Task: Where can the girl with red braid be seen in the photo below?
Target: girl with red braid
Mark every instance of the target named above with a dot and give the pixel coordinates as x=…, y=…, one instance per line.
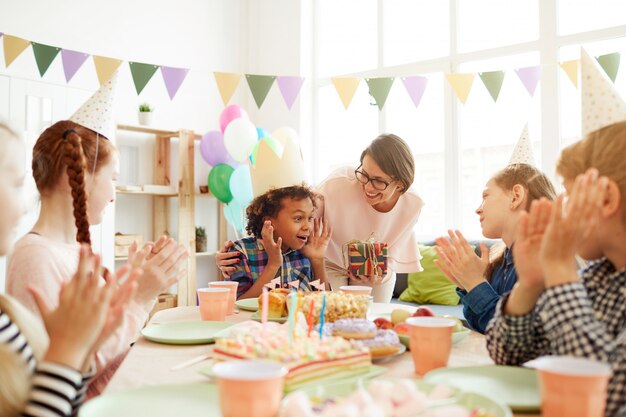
x=75, y=168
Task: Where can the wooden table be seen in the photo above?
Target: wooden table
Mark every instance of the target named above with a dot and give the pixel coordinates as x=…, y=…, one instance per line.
x=149, y=363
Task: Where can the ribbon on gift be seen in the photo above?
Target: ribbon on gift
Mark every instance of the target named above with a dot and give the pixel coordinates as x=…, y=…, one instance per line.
x=367, y=257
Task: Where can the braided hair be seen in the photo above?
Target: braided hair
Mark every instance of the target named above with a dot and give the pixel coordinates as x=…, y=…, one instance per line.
x=71, y=148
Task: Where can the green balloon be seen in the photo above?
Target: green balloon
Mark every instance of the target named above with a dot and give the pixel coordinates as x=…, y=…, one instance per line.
x=219, y=182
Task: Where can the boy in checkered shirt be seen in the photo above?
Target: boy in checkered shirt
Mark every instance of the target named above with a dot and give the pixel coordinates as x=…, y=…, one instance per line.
x=286, y=242
x=552, y=309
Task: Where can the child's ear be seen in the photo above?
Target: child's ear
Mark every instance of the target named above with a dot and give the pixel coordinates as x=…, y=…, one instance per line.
x=518, y=196
x=612, y=200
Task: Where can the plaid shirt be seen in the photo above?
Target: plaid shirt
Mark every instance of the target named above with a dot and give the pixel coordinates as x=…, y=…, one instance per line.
x=584, y=319
x=252, y=263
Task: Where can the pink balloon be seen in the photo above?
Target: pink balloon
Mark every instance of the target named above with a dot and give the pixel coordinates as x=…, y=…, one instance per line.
x=231, y=113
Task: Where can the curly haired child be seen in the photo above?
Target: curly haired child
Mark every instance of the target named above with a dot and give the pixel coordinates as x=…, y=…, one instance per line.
x=285, y=241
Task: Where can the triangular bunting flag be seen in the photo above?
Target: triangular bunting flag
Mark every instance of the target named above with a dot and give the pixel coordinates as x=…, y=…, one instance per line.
x=601, y=104
x=610, y=64
x=13, y=47
x=105, y=67
x=415, y=86
x=173, y=78
x=44, y=55
x=530, y=77
x=259, y=86
x=523, y=152
x=346, y=87
x=493, y=81
x=461, y=84
x=227, y=84
x=142, y=73
x=379, y=89
x=289, y=88
x=72, y=61
x=1, y=33
x=571, y=69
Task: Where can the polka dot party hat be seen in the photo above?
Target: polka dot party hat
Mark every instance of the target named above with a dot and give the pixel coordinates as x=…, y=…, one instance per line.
x=97, y=112
x=601, y=104
x=523, y=152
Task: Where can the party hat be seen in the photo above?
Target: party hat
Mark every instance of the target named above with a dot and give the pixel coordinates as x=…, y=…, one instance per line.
x=272, y=171
x=523, y=152
x=97, y=112
x=601, y=104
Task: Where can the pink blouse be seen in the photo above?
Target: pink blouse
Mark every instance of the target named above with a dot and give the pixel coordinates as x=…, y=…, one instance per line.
x=353, y=218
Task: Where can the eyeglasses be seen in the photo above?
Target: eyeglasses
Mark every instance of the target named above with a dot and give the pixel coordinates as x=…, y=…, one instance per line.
x=363, y=178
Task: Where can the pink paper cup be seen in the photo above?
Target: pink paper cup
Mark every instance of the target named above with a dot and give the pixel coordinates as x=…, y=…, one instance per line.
x=356, y=289
x=430, y=340
x=213, y=303
x=572, y=387
x=232, y=286
x=250, y=388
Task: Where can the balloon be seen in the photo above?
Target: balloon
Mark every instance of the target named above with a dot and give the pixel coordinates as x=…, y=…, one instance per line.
x=213, y=150
x=219, y=182
x=234, y=214
x=285, y=134
x=231, y=113
x=274, y=145
x=262, y=133
x=239, y=138
x=241, y=185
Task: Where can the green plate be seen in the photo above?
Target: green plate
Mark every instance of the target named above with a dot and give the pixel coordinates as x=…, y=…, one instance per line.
x=248, y=304
x=456, y=337
x=466, y=399
x=185, y=332
x=189, y=400
x=257, y=317
x=339, y=376
x=514, y=386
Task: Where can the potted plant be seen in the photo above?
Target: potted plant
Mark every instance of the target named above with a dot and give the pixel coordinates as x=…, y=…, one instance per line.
x=200, y=240
x=145, y=114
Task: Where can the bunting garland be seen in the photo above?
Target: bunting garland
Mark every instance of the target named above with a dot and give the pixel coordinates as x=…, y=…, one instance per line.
x=289, y=86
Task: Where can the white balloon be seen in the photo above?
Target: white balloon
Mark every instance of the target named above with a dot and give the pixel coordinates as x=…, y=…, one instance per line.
x=240, y=137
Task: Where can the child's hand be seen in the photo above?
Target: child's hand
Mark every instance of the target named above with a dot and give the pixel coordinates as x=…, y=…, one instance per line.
x=460, y=261
x=570, y=225
x=160, y=271
x=530, y=233
x=273, y=249
x=316, y=245
x=75, y=324
x=224, y=259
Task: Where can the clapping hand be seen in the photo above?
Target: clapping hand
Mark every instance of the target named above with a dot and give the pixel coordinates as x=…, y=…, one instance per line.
x=458, y=261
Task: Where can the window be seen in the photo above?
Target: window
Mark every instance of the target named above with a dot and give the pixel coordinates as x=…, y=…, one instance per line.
x=457, y=147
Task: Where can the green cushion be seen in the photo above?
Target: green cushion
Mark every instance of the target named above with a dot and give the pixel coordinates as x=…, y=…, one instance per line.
x=430, y=286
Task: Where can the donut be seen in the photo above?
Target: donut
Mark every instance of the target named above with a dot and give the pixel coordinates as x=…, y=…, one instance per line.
x=385, y=342
x=354, y=328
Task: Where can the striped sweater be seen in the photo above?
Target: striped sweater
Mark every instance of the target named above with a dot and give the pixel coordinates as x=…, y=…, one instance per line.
x=56, y=390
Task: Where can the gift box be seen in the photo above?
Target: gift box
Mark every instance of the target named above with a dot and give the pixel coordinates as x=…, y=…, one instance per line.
x=367, y=258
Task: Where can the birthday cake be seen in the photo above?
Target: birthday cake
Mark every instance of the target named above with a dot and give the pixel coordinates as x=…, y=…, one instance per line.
x=307, y=356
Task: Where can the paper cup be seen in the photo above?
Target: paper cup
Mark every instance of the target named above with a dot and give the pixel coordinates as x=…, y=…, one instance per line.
x=213, y=303
x=250, y=388
x=232, y=286
x=430, y=340
x=356, y=289
x=572, y=387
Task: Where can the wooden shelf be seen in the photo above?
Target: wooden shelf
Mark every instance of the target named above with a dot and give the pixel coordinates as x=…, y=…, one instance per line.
x=121, y=258
x=201, y=254
x=146, y=193
x=154, y=131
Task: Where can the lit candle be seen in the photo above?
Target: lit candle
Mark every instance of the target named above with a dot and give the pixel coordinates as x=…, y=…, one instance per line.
x=322, y=312
x=309, y=317
x=292, y=315
x=264, y=306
